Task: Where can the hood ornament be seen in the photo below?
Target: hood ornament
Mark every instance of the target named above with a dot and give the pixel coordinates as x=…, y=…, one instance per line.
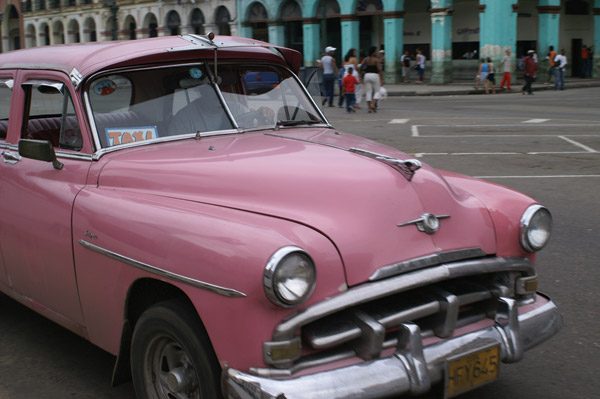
x=428, y=223
x=407, y=167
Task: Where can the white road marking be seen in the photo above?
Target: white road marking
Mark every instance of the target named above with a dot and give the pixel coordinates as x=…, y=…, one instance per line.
x=575, y=143
x=398, y=121
x=415, y=130
x=536, y=121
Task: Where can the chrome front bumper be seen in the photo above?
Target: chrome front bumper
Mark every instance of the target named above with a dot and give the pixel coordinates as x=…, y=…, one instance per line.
x=413, y=368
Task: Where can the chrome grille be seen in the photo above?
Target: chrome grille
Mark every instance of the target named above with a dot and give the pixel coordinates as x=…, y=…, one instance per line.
x=367, y=319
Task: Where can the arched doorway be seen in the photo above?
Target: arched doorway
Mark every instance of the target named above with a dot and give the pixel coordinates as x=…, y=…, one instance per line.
x=173, y=23
x=222, y=20
x=370, y=16
x=44, y=35
x=89, y=30
x=11, y=24
x=291, y=15
x=328, y=12
x=150, y=25
x=30, y=36
x=130, y=27
x=73, y=35
x=58, y=33
x=257, y=19
x=197, y=21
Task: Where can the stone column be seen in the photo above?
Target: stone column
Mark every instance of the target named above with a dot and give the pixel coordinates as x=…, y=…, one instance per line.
x=549, y=26
x=245, y=30
x=312, y=41
x=548, y=29
x=276, y=34
x=441, y=44
x=393, y=32
x=350, y=34
x=498, y=28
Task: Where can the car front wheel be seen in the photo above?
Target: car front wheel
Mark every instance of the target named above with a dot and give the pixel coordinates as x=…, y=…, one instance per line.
x=171, y=357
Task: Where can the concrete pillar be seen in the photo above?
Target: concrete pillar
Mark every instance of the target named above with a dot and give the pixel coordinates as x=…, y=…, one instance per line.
x=276, y=34
x=549, y=25
x=393, y=36
x=596, y=61
x=441, y=43
x=498, y=29
x=350, y=34
x=312, y=41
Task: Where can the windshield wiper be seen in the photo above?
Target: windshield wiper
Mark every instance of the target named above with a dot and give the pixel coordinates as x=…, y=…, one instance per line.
x=297, y=123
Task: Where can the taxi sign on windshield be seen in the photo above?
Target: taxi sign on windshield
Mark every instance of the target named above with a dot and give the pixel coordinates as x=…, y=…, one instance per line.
x=126, y=135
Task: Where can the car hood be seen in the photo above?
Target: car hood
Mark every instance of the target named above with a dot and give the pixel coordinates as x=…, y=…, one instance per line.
x=362, y=205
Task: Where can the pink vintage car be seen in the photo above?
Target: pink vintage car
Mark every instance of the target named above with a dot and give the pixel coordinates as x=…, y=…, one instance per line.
x=182, y=203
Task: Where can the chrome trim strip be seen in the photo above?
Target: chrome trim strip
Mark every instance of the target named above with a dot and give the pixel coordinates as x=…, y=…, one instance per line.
x=59, y=153
x=426, y=261
x=229, y=292
x=393, y=375
x=379, y=289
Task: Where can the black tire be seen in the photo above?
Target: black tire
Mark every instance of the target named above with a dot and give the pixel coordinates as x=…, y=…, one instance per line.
x=171, y=357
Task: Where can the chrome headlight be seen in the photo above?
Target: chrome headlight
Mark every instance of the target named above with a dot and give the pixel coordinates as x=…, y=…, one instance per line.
x=536, y=226
x=289, y=277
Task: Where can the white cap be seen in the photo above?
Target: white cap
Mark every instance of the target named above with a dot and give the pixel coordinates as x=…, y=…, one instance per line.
x=530, y=51
x=329, y=49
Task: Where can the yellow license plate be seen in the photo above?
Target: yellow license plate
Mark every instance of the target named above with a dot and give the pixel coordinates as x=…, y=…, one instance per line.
x=472, y=370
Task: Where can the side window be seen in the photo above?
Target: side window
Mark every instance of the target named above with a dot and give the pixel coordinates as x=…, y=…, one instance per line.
x=6, y=86
x=51, y=115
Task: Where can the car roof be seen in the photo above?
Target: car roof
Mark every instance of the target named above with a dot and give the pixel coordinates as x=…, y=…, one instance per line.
x=88, y=58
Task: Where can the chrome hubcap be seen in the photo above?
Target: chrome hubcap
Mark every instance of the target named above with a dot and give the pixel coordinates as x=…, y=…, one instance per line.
x=170, y=372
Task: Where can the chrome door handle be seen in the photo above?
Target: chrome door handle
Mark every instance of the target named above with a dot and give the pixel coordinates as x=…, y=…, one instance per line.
x=11, y=158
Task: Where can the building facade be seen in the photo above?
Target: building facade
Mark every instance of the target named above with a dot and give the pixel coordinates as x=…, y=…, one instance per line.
x=453, y=34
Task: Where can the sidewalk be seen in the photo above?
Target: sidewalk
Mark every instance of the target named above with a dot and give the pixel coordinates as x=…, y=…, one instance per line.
x=463, y=87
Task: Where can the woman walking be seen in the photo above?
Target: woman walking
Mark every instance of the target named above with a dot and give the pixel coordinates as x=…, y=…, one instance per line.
x=372, y=81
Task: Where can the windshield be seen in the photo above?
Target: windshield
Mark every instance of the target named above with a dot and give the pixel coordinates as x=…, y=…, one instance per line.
x=146, y=104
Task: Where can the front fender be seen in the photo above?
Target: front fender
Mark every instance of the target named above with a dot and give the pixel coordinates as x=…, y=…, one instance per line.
x=220, y=246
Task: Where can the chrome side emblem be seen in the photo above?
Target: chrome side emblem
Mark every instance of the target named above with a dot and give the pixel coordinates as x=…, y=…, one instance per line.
x=427, y=223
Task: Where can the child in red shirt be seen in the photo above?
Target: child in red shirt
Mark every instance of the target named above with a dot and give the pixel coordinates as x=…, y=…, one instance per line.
x=349, y=82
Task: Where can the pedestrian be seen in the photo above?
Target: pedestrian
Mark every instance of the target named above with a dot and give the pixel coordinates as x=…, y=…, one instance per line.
x=530, y=71
x=372, y=80
x=349, y=82
x=507, y=70
x=490, y=81
x=585, y=57
x=420, y=67
x=590, y=63
x=330, y=71
x=483, y=71
x=351, y=61
x=405, y=60
x=551, y=64
x=559, y=73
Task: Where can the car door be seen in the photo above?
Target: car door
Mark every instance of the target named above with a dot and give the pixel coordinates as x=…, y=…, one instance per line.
x=36, y=239
x=6, y=85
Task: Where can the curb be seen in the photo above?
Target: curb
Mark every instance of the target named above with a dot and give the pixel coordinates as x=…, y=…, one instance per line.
x=424, y=93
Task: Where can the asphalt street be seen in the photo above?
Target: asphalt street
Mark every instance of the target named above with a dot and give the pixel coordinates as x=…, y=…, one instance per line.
x=546, y=145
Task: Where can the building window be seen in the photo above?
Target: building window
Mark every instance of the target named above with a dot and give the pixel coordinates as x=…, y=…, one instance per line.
x=222, y=20
x=173, y=23
x=197, y=21
x=577, y=7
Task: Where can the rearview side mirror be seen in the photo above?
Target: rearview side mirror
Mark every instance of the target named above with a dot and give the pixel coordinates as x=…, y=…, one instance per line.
x=41, y=150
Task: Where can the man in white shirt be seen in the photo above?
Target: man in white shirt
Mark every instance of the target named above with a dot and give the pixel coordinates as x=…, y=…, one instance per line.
x=560, y=63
